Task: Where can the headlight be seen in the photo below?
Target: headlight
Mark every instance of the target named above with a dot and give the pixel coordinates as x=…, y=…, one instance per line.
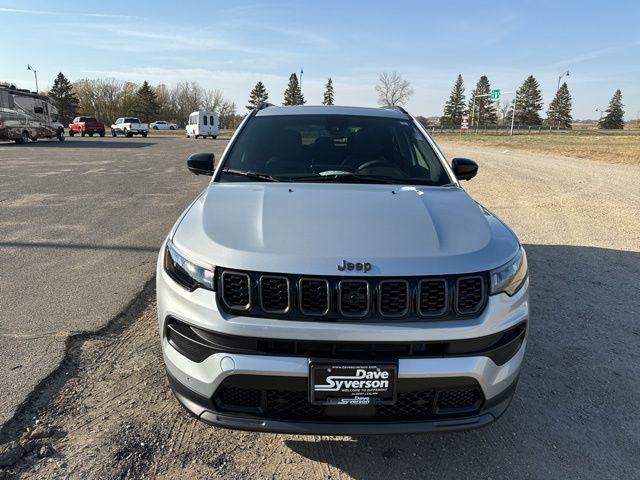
x=511, y=276
x=185, y=272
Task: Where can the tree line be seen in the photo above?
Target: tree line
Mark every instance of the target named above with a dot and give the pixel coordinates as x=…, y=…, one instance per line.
x=108, y=99
x=528, y=105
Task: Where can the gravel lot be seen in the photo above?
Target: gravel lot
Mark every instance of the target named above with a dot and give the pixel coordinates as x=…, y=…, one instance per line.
x=108, y=413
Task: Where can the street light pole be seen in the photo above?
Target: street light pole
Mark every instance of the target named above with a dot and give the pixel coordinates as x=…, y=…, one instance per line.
x=29, y=67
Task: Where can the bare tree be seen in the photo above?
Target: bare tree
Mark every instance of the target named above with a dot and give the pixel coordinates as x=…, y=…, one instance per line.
x=503, y=110
x=392, y=89
x=212, y=100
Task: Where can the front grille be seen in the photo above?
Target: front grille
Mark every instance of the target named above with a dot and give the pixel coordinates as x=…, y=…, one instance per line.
x=291, y=402
x=469, y=294
x=353, y=298
x=274, y=294
x=314, y=296
x=334, y=298
x=393, y=298
x=236, y=290
x=432, y=300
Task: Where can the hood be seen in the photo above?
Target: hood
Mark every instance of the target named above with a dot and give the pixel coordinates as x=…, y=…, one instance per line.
x=311, y=228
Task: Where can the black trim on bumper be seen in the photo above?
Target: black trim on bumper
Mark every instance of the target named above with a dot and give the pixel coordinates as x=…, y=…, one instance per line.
x=197, y=344
x=201, y=408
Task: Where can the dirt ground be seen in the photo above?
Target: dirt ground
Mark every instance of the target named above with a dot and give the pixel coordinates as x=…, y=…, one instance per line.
x=107, y=412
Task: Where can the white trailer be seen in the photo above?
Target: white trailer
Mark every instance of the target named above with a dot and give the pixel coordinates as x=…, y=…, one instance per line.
x=203, y=124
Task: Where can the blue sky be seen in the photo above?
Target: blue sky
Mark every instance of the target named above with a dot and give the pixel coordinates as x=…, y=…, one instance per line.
x=231, y=45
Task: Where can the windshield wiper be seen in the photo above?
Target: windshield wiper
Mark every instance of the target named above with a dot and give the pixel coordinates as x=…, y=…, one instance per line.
x=253, y=175
x=344, y=178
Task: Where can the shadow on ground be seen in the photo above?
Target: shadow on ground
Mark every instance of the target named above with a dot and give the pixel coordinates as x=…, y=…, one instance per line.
x=574, y=414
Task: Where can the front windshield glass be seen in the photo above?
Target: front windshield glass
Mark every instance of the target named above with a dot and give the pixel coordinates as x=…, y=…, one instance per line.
x=333, y=148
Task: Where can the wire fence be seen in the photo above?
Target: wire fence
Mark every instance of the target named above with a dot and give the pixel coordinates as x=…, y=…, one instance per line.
x=519, y=130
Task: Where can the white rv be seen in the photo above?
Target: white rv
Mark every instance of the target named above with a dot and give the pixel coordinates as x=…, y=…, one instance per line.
x=203, y=124
x=26, y=116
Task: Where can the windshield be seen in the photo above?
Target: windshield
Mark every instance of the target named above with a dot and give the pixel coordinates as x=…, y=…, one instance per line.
x=333, y=148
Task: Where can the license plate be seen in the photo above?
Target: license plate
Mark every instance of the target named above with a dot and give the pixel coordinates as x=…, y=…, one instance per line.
x=352, y=384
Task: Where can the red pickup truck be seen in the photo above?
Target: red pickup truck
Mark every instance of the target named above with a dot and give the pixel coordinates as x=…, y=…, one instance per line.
x=86, y=126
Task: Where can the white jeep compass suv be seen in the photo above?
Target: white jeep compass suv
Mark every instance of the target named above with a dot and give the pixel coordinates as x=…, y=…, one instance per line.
x=334, y=278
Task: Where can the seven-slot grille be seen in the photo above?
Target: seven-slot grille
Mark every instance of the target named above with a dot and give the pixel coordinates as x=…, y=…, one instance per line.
x=351, y=298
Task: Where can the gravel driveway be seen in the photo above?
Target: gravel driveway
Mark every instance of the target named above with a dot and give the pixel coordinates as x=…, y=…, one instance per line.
x=574, y=414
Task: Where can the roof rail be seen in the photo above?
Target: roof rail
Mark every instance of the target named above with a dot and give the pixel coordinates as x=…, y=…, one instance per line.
x=397, y=108
x=262, y=106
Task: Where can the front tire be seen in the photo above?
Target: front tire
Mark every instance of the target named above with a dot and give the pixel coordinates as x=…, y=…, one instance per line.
x=71, y=133
x=24, y=138
x=102, y=134
x=155, y=127
x=83, y=133
x=60, y=135
x=114, y=133
x=172, y=127
x=144, y=134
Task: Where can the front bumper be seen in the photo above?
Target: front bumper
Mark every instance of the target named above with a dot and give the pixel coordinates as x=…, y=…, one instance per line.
x=195, y=384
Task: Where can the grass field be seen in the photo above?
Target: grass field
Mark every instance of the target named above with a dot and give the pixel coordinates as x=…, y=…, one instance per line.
x=608, y=147
x=181, y=133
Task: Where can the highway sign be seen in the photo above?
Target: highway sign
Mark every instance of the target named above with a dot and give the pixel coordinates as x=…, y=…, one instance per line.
x=495, y=94
x=464, y=124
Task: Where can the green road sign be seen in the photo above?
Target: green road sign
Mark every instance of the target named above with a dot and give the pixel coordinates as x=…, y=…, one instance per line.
x=495, y=94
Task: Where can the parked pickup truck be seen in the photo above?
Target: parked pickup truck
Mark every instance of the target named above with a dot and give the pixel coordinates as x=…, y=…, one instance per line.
x=129, y=126
x=86, y=126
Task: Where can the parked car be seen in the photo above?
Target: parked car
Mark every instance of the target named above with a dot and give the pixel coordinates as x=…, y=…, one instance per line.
x=162, y=125
x=335, y=278
x=129, y=126
x=203, y=124
x=86, y=126
x=26, y=116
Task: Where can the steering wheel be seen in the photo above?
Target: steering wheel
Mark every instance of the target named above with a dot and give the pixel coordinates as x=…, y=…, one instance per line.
x=376, y=163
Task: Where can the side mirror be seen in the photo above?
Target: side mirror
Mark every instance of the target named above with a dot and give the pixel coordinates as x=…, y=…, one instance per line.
x=201, y=163
x=464, y=168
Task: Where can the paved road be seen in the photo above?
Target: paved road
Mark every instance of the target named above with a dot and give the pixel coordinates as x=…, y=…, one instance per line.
x=80, y=225
x=574, y=414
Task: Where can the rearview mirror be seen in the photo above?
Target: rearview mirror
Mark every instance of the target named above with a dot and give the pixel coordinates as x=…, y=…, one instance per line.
x=201, y=163
x=464, y=168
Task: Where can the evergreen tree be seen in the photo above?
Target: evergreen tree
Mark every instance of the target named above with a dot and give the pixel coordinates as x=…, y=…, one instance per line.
x=454, y=108
x=293, y=94
x=484, y=112
x=328, y=93
x=64, y=98
x=258, y=96
x=529, y=103
x=614, y=114
x=559, y=113
x=146, y=103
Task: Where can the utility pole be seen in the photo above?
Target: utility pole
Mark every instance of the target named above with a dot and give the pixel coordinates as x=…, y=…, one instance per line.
x=557, y=90
x=29, y=67
x=513, y=115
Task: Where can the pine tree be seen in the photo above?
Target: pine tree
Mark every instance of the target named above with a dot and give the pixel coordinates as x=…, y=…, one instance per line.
x=328, y=93
x=559, y=113
x=614, y=118
x=454, y=108
x=146, y=103
x=529, y=103
x=293, y=94
x=64, y=98
x=258, y=96
x=484, y=111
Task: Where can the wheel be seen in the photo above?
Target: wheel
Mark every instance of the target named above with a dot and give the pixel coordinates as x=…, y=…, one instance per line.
x=71, y=133
x=144, y=134
x=172, y=127
x=60, y=135
x=102, y=134
x=113, y=133
x=82, y=134
x=155, y=127
x=91, y=134
x=214, y=136
x=127, y=133
x=24, y=138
